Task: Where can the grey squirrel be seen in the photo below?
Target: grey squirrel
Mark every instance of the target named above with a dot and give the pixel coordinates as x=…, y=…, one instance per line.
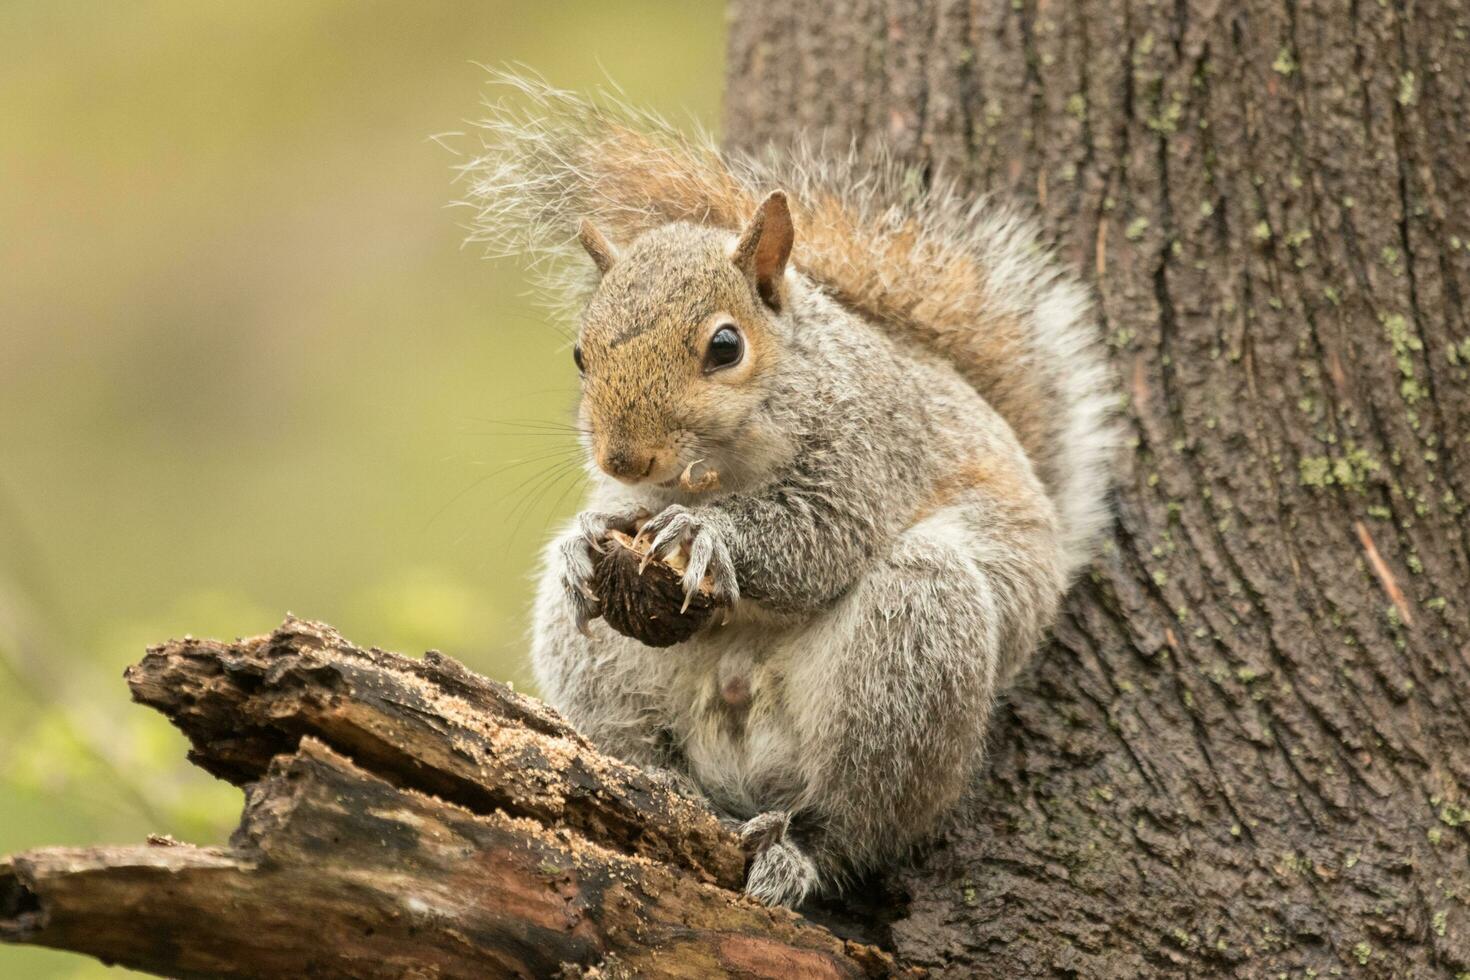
x=903, y=395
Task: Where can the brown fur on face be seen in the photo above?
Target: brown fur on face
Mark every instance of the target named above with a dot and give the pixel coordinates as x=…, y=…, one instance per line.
x=651, y=407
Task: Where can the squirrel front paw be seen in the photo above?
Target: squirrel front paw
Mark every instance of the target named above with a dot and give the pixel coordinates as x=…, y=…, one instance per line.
x=577, y=553
x=704, y=533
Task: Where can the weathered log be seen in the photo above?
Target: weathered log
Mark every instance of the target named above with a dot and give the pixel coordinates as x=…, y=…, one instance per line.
x=408, y=818
x=428, y=725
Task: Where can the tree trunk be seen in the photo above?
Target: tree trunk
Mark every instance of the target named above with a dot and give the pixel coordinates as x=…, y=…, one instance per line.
x=1248, y=751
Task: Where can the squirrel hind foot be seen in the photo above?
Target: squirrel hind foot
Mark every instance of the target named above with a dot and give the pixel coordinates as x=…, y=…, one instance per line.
x=780, y=872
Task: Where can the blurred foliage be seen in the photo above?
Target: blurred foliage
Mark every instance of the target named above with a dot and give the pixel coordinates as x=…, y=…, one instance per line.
x=246, y=366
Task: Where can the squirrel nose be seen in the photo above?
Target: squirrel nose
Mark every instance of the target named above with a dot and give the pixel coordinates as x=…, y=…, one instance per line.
x=627, y=465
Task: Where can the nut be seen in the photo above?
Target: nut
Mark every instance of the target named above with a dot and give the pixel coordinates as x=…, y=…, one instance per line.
x=649, y=606
x=708, y=479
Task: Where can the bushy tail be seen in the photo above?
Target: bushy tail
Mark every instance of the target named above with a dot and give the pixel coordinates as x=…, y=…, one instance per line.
x=964, y=277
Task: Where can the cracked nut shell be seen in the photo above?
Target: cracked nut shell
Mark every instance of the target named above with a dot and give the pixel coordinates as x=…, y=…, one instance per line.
x=646, y=607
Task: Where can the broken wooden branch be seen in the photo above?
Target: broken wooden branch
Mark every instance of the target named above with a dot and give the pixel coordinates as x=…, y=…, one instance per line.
x=408, y=818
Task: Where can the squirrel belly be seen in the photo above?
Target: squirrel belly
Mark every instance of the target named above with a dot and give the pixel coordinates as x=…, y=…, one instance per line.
x=905, y=402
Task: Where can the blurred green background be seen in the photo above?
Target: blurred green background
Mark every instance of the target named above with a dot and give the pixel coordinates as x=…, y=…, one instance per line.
x=247, y=367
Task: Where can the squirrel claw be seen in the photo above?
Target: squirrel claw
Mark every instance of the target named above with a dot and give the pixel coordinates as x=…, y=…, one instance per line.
x=576, y=552
x=592, y=526
x=703, y=532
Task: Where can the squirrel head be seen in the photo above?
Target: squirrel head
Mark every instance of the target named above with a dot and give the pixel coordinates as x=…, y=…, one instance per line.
x=679, y=346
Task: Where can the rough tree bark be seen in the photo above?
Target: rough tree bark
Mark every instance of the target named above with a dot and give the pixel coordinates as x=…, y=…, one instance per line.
x=1248, y=751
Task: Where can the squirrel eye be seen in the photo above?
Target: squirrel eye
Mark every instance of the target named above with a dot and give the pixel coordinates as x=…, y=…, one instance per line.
x=726, y=348
x=577, y=356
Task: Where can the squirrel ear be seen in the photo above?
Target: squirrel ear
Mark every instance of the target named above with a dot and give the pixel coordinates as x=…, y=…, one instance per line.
x=764, y=247
x=602, y=253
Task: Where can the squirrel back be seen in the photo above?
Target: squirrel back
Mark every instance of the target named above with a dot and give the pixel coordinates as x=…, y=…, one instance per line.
x=965, y=278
